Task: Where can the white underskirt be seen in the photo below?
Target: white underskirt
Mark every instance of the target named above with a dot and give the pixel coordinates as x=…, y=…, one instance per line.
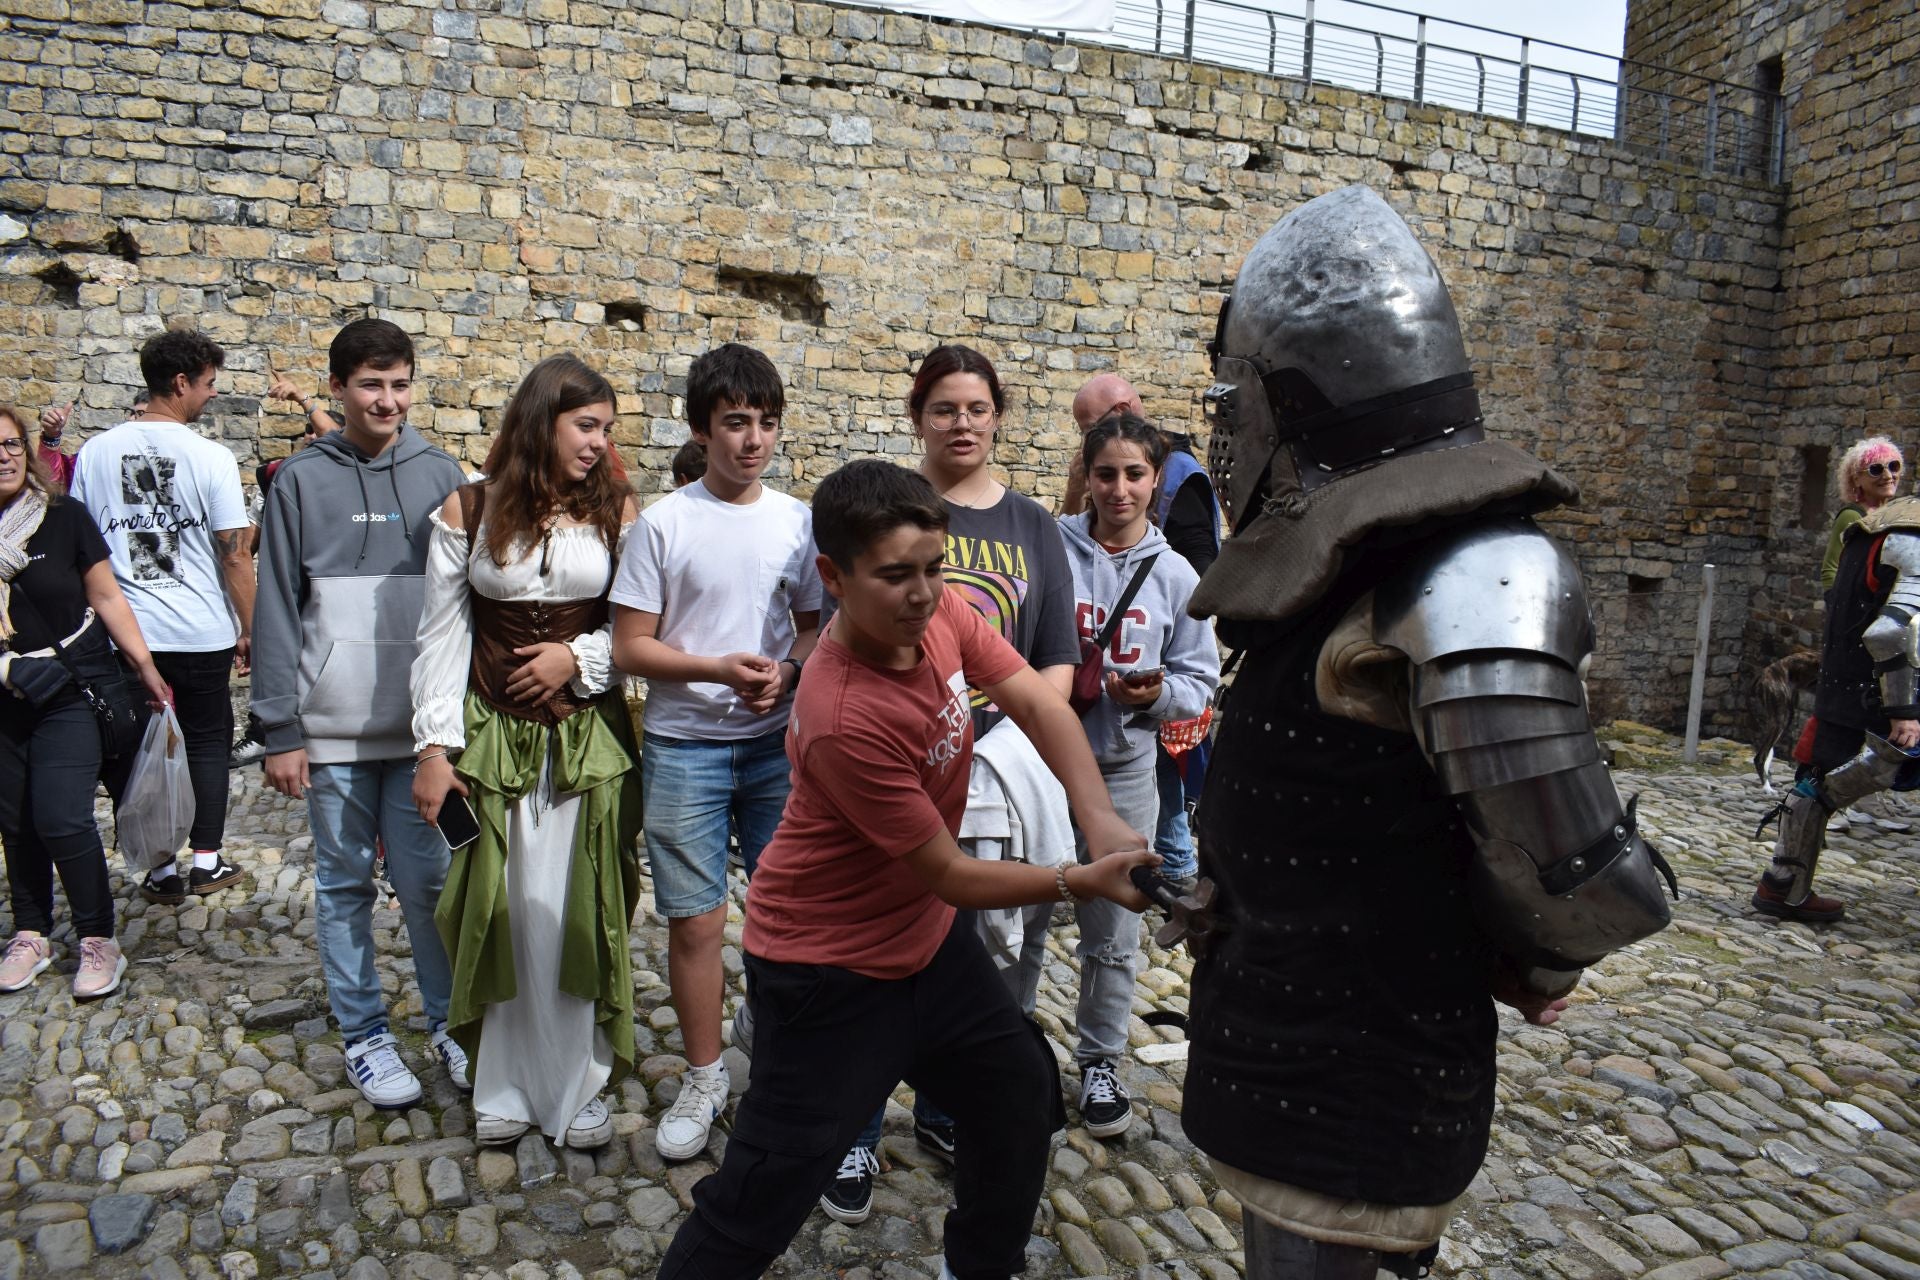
x=542, y=1054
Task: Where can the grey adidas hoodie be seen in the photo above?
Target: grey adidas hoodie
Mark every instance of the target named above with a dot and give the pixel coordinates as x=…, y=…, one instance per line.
x=1156, y=632
x=343, y=554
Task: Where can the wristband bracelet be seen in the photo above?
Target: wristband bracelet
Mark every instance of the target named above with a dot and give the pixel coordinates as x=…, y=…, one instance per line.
x=431, y=755
x=1060, y=882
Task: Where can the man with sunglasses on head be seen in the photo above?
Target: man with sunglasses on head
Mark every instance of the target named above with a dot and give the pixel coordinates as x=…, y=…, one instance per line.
x=1866, y=709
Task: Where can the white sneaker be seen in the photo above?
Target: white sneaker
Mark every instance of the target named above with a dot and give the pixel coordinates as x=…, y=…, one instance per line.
x=375, y=1068
x=592, y=1128
x=497, y=1131
x=682, y=1133
x=453, y=1058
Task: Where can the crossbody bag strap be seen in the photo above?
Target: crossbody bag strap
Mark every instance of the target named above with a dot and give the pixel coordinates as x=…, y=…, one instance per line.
x=59, y=649
x=1120, y=605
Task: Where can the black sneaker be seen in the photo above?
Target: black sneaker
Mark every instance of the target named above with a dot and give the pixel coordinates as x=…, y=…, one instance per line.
x=935, y=1137
x=1105, y=1107
x=218, y=876
x=168, y=891
x=850, y=1198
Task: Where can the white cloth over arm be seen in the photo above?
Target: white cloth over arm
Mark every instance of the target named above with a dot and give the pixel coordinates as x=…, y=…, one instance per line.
x=441, y=668
x=1017, y=811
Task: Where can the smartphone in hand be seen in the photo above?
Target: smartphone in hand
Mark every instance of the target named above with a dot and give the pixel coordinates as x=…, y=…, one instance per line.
x=458, y=827
x=1142, y=678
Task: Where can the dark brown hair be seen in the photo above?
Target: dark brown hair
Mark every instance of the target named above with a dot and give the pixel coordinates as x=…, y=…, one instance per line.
x=173, y=352
x=732, y=374
x=944, y=361
x=1128, y=427
x=866, y=500
x=381, y=344
x=39, y=479
x=522, y=492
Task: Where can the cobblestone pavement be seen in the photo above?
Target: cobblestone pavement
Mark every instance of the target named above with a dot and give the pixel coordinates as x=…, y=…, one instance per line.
x=1733, y=1097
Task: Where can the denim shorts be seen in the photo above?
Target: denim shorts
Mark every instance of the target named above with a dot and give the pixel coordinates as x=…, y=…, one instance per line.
x=698, y=794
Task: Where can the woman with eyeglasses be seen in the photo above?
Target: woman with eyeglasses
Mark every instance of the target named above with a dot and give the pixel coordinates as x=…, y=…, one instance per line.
x=56, y=589
x=1005, y=557
x=1869, y=476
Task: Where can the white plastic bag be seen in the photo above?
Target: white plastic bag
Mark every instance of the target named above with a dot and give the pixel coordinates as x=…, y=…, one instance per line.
x=156, y=812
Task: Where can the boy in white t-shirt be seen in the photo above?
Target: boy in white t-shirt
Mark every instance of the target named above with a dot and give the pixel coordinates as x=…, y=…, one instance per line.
x=169, y=503
x=716, y=603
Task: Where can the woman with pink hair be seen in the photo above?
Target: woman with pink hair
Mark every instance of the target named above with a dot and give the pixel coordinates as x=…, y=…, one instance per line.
x=1869, y=475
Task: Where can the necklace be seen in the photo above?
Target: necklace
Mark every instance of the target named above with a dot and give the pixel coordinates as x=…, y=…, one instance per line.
x=979, y=501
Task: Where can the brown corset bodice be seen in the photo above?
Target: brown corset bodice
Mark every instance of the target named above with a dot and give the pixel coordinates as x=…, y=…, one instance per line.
x=501, y=626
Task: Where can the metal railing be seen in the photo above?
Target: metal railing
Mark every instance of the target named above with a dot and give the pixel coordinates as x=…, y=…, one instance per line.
x=1711, y=124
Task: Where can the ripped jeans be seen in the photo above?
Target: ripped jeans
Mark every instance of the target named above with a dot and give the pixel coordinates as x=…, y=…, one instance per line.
x=1109, y=949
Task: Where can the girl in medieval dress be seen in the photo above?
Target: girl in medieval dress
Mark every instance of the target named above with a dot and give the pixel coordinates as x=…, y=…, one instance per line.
x=517, y=708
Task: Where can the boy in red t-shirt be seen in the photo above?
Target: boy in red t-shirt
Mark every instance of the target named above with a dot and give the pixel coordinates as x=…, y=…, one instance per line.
x=859, y=978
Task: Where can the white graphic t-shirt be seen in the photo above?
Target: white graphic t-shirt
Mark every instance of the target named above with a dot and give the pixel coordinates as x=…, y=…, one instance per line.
x=159, y=492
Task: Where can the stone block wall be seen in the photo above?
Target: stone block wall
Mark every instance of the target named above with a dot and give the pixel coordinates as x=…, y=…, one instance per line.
x=638, y=180
x=1847, y=352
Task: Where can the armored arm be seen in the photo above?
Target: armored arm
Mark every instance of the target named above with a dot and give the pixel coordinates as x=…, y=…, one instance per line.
x=1494, y=622
x=1893, y=637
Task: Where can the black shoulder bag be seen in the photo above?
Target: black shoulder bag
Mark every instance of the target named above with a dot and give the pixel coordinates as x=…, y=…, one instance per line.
x=105, y=690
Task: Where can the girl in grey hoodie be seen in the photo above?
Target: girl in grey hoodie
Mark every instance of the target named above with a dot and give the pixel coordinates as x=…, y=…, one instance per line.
x=1160, y=664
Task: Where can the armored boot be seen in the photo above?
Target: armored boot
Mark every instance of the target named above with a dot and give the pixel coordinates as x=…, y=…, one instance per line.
x=1786, y=890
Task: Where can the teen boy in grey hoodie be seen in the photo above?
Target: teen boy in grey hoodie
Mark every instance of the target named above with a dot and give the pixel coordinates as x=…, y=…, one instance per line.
x=343, y=552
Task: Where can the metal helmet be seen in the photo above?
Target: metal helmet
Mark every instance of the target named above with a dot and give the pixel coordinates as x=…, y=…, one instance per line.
x=1339, y=347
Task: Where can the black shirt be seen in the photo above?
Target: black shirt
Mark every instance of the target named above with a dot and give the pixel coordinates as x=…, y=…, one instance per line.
x=59, y=553
x=1193, y=528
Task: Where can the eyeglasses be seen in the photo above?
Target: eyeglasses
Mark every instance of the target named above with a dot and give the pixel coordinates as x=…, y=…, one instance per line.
x=13, y=445
x=951, y=417
x=1878, y=469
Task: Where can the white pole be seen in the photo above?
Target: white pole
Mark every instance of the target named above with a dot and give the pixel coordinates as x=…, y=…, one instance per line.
x=1699, y=692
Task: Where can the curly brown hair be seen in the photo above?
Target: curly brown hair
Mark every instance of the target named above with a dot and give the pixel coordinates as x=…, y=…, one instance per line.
x=523, y=494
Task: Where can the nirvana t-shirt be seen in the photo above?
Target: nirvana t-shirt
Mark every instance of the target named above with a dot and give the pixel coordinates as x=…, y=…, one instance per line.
x=159, y=492
x=880, y=762
x=1008, y=562
x=59, y=554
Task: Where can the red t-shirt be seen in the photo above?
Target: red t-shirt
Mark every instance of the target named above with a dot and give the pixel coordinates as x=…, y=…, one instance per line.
x=880, y=761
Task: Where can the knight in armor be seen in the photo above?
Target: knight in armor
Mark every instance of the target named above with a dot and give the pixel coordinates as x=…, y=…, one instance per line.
x=1408, y=816
x=1866, y=707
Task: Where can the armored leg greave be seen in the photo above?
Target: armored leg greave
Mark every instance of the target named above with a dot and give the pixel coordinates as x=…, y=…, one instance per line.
x=1803, y=820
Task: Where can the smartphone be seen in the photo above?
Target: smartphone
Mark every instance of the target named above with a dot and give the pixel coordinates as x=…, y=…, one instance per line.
x=1141, y=679
x=458, y=827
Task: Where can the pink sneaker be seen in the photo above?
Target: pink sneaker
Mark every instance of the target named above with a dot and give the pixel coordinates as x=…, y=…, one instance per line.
x=26, y=956
x=101, y=965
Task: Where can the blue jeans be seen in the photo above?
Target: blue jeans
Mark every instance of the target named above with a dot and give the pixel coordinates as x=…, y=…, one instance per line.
x=348, y=806
x=1172, y=837
x=697, y=793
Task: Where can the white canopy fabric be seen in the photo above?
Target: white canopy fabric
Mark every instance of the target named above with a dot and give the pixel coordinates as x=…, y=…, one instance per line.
x=1038, y=15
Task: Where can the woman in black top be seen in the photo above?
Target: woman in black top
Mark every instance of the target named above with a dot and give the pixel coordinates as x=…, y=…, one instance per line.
x=56, y=585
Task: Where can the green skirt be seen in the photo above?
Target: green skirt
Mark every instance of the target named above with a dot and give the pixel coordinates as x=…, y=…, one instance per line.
x=594, y=755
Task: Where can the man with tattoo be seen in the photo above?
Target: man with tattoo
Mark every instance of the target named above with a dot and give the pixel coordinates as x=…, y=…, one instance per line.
x=175, y=519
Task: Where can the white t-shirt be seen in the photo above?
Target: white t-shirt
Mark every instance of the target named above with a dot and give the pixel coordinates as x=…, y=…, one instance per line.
x=724, y=578
x=159, y=491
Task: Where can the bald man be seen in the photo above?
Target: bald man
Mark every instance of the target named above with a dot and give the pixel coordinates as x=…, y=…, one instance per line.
x=1104, y=393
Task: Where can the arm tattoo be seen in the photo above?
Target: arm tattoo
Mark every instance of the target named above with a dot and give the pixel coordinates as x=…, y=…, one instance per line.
x=233, y=543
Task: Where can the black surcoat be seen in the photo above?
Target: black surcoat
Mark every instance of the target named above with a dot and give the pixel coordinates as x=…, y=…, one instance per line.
x=1342, y=1032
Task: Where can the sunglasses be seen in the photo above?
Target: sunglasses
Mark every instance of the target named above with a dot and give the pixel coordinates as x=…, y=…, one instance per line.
x=1878, y=469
